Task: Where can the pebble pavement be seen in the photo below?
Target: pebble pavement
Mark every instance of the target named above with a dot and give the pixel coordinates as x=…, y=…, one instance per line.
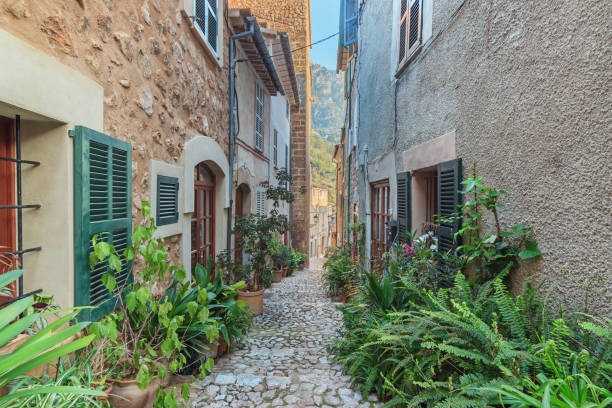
x=283, y=362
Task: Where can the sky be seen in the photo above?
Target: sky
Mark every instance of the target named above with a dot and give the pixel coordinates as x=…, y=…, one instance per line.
x=324, y=22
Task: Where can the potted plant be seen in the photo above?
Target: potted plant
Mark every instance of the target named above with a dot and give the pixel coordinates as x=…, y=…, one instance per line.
x=149, y=334
x=256, y=231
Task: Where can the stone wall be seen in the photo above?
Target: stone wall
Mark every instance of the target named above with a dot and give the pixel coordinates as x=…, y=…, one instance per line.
x=161, y=84
x=293, y=17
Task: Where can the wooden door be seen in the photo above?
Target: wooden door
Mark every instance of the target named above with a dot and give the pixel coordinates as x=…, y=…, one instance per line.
x=203, y=219
x=381, y=214
x=7, y=197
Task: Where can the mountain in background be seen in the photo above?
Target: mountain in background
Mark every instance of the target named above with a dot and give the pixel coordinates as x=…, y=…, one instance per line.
x=327, y=112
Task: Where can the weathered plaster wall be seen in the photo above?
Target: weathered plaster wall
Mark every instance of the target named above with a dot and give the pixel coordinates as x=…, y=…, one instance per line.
x=161, y=85
x=525, y=86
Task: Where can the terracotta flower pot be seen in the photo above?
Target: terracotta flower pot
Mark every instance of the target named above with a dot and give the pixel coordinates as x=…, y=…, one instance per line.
x=223, y=346
x=285, y=272
x=253, y=299
x=278, y=275
x=127, y=394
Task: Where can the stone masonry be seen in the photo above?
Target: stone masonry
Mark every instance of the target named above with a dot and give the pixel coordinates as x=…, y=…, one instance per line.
x=161, y=86
x=293, y=17
x=283, y=362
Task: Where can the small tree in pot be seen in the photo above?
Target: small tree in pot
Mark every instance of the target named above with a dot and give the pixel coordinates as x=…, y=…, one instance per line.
x=256, y=232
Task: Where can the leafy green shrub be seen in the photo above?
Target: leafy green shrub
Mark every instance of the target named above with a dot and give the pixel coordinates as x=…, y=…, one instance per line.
x=44, y=346
x=450, y=347
x=340, y=273
x=150, y=334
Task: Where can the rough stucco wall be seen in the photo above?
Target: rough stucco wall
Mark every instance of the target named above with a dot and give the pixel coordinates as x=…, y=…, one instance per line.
x=160, y=86
x=293, y=17
x=526, y=87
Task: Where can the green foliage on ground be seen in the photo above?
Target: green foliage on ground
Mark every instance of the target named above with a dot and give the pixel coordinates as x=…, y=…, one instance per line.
x=425, y=337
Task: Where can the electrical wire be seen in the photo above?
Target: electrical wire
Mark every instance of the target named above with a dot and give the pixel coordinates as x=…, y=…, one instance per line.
x=290, y=51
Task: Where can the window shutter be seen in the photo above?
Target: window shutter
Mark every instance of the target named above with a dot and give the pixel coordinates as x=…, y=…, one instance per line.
x=211, y=24
x=206, y=21
x=275, y=147
x=409, y=28
x=102, y=204
x=351, y=21
x=260, y=201
x=450, y=175
x=167, y=200
x=404, y=205
x=259, y=117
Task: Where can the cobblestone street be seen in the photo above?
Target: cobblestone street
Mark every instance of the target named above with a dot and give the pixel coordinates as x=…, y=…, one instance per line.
x=284, y=361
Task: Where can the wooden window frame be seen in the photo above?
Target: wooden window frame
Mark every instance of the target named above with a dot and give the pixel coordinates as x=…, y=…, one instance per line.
x=260, y=101
x=380, y=192
x=203, y=31
x=8, y=219
x=405, y=18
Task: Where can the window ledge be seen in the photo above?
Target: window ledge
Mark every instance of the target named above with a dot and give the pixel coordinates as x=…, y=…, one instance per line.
x=402, y=68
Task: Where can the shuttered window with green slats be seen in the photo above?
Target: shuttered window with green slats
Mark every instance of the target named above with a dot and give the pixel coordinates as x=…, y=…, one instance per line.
x=449, y=198
x=404, y=206
x=103, y=207
x=167, y=200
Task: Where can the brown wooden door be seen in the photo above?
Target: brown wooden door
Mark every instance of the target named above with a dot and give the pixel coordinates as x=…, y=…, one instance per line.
x=7, y=197
x=381, y=214
x=203, y=219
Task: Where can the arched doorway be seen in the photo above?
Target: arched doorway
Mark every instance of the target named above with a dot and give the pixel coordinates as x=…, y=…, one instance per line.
x=242, y=208
x=203, y=217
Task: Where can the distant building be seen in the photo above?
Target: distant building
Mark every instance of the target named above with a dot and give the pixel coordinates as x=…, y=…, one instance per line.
x=319, y=222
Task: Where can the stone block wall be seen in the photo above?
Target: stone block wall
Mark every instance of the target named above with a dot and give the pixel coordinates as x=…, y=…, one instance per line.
x=161, y=84
x=293, y=17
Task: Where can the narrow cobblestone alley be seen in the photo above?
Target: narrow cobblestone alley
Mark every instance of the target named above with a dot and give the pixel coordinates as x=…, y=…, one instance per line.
x=284, y=361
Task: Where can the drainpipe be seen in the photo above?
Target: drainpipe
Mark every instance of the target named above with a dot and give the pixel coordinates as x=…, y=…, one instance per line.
x=232, y=66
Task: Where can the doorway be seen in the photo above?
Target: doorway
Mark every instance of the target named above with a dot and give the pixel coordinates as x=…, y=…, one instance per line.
x=203, y=218
x=7, y=198
x=381, y=214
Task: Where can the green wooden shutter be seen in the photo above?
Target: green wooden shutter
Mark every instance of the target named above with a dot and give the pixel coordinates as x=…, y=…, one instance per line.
x=102, y=204
x=449, y=198
x=167, y=200
x=404, y=206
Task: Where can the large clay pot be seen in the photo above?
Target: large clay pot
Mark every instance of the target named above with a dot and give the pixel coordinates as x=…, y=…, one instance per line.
x=278, y=275
x=253, y=299
x=127, y=394
x=285, y=269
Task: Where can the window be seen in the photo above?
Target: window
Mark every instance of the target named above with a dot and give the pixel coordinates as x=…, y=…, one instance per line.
x=349, y=21
x=259, y=117
x=167, y=200
x=409, y=28
x=206, y=21
x=260, y=204
x=275, y=148
x=286, y=158
x=103, y=207
x=287, y=110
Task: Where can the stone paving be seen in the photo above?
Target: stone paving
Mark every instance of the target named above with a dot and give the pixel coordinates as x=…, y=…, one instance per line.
x=284, y=362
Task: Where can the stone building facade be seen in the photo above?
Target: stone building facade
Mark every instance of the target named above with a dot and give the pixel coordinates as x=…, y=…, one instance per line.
x=293, y=17
x=516, y=89
x=120, y=103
